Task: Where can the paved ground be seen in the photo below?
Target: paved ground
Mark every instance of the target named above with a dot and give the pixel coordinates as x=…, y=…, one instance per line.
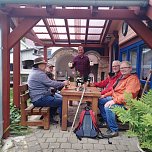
x=55, y=140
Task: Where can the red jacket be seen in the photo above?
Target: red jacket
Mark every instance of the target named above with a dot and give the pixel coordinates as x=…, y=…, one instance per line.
x=107, y=84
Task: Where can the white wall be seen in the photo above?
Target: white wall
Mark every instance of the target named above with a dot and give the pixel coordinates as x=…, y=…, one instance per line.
x=27, y=55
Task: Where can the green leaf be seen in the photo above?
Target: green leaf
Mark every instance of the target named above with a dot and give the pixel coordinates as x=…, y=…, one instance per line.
x=15, y=118
x=139, y=116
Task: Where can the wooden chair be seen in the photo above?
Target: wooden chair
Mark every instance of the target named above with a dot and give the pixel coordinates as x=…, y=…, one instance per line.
x=30, y=110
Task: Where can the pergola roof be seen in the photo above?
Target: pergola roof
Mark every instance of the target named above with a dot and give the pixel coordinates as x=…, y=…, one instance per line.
x=63, y=31
x=69, y=26
x=69, y=31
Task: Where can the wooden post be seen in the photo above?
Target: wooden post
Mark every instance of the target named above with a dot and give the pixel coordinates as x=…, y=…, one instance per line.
x=45, y=53
x=4, y=21
x=16, y=75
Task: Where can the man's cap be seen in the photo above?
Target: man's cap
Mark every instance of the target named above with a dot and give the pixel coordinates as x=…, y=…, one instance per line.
x=39, y=60
x=50, y=65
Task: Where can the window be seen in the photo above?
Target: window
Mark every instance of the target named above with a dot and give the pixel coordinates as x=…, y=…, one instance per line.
x=124, y=56
x=11, y=67
x=140, y=55
x=24, y=78
x=27, y=64
x=11, y=78
x=146, y=62
x=49, y=53
x=115, y=51
x=133, y=59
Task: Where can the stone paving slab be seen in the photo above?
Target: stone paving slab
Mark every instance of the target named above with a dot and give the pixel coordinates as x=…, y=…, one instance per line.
x=56, y=140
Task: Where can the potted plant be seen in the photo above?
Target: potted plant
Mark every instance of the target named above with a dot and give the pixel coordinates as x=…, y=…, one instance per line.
x=139, y=117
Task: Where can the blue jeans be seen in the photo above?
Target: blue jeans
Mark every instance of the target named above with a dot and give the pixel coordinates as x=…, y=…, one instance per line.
x=101, y=103
x=50, y=101
x=111, y=118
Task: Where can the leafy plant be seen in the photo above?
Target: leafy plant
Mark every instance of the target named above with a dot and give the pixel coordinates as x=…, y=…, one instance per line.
x=15, y=118
x=139, y=116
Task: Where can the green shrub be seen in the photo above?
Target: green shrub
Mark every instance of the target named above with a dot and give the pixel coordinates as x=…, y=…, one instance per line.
x=139, y=116
x=15, y=118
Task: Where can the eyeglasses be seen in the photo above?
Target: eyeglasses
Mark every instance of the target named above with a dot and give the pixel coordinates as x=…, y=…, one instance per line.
x=114, y=66
x=124, y=68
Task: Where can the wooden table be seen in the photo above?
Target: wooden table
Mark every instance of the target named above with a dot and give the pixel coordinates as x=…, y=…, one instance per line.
x=91, y=94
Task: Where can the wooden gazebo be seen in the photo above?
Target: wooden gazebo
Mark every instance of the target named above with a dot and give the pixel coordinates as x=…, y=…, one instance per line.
x=24, y=16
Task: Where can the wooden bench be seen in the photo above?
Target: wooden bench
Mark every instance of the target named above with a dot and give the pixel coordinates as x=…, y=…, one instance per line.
x=30, y=110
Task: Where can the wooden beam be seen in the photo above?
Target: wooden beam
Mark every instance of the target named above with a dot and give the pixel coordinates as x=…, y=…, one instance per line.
x=67, y=30
x=31, y=35
x=118, y=14
x=86, y=34
x=105, y=31
x=72, y=41
x=12, y=23
x=140, y=28
x=45, y=53
x=66, y=33
x=21, y=30
x=74, y=45
x=49, y=30
x=33, y=38
x=149, y=12
x=77, y=26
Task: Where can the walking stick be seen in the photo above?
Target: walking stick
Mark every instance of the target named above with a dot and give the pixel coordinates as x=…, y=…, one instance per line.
x=145, y=86
x=77, y=111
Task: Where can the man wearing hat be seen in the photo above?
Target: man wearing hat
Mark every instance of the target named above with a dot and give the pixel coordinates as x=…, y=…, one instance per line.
x=49, y=71
x=39, y=87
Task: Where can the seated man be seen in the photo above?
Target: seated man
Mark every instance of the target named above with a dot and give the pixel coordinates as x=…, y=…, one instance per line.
x=128, y=83
x=39, y=87
x=107, y=84
x=49, y=71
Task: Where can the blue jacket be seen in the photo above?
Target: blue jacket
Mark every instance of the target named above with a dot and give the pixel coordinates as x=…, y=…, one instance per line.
x=39, y=84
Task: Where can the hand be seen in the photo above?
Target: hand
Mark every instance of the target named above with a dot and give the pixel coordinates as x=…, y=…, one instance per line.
x=84, y=85
x=66, y=82
x=109, y=103
x=102, y=96
x=53, y=90
x=47, y=69
x=92, y=85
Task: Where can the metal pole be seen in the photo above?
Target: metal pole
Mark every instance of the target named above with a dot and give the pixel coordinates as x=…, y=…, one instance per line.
x=81, y=3
x=77, y=111
x=145, y=86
